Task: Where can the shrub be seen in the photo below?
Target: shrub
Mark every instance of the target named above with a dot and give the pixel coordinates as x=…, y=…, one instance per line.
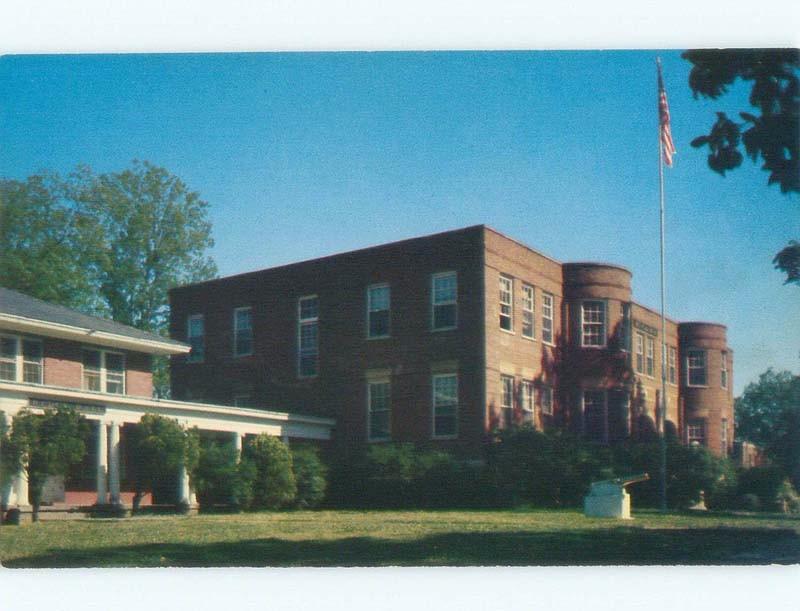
x=219, y=479
x=310, y=475
x=771, y=486
x=749, y=502
x=274, y=485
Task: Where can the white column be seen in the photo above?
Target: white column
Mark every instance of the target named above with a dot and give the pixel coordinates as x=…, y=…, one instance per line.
x=7, y=491
x=113, y=463
x=184, y=495
x=237, y=445
x=21, y=488
x=285, y=438
x=102, y=463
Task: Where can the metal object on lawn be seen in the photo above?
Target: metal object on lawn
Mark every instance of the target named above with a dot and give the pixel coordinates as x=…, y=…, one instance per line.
x=609, y=499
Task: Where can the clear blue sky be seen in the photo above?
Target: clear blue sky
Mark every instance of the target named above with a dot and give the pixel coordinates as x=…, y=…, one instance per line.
x=301, y=155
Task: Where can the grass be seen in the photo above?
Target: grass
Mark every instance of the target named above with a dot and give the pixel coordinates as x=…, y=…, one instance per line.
x=416, y=538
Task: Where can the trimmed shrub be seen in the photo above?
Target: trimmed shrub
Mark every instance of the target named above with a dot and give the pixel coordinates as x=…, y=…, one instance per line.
x=219, y=479
x=274, y=485
x=772, y=488
x=310, y=476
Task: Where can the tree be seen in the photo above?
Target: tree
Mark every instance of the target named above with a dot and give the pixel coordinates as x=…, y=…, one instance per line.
x=46, y=444
x=220, y=479
x=310, y=475
x=773, y=134
x=161, y=447
x=768, y=414
x=274, y=485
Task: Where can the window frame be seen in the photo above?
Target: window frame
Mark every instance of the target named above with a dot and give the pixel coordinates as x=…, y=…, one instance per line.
x=724, y=436
x=638, y=354
x=236, y=331
x=192, y=357
x=672, y=365
x=388, y=310
x=723, y=370
x=528, y=309
x=650, y=356
x=546, y=407
x=507, y=409
x=509, y=304
x=301, y=322
x=692, y=440
x=19, y=360
x=690, y=368
x=527, y=400
x=383, y=381
x=550, y=319
x=456, y=406
x=453, y=302
x=103, y=371
x=603, y=324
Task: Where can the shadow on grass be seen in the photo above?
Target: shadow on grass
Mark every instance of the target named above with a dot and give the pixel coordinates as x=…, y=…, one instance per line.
x=616, y=545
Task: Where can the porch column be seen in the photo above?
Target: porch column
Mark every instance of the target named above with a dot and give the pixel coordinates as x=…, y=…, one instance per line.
x=285, y=438
x=21, y=488
x=102, y=463
x=113, y=463
x=237, y=445
x=184, y=495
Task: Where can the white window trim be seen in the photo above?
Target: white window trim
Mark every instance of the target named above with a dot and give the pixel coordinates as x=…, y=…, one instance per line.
x=532, y=311
x=549, y=411
x=650, y=342
x=551, y=318
x=192, y=358
x=454, y=302
x=433, y=406
x=370, y=438
x=104, y=371
x=705, y=368
x=531, y=387
x=636, y=353
x=723, y=372
x=672, y=365
x=369, y=310
x=19, y=359
x=506, y=408
x=300, y=322
x=237, y=354
x=604, y=334
x=510, y=304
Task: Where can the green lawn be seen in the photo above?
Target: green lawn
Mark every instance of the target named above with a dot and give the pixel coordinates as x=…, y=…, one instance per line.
x=385, y=538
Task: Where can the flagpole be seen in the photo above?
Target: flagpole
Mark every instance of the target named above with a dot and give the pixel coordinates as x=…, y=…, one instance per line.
x=663, y=402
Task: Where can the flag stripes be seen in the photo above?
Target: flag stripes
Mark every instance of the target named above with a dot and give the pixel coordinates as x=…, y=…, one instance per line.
x=667, y=145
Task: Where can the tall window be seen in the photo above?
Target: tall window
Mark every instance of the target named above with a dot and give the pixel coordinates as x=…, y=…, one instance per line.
x=308, y=336
x=673, y=365
x=526, y=398
x=103, y=371
x=507, y=399
x=724, y=436
x=506, y=303
x=593, y=324
x=31, y=361
x=546, y=399
x=444, y=289
x=696, y=432
x=639, y=353
x=379, y=408
x=20, y=357
x=378, y=308
x=625, y=335
x=527, y=311
x=547, y=318
x=696, y=368
x=195, y=335
x=242, y=331
x=8, y=358
x=724, y=370
x=445, y=405
x=595, y=418
x=651, y=356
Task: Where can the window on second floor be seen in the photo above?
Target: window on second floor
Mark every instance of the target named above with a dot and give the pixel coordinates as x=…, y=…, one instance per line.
x=308, y=336
x=103, y=371
x=444, y=301
x=242, y=331
x=506, y=303
x=593, y=324
x=547, y=318
x=696, y=368
x=672, y=369
x=378, y=311
x=21, y=359
x=639, y=353
x=528, y=311
x=650, y=361
x=724, y=370
x=195, y=336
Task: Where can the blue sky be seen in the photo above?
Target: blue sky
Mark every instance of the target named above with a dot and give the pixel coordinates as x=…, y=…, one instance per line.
x=301, y=155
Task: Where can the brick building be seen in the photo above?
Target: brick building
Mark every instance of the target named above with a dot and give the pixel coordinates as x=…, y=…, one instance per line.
x=439, y=339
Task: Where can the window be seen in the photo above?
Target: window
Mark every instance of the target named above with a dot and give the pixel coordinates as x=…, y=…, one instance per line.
x=593, y=324
x=242, y=331
x=724, y=436
x=651, y=356
x=103, y=371
x=379, y=411
x=639, y=353
x=724, y=370
x=378, y=308
x=445, y=405
x=546, y=399
x=444, y=289
x=696, y=368
x=527, y=311
x=195, y=336
x=506, y=303
x=595, y=421
x=308, y=336
x=547, y=318
x=625, y=334
x=696, y=432
x=672, y=368
x=507, y=399
x=20, y=357
x=526, y=398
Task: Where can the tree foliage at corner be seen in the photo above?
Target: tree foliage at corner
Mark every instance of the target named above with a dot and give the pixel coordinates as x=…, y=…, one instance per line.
x=274, y=485
x=310, y=475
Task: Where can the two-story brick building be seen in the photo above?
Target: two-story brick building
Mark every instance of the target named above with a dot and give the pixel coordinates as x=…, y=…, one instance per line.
x=440, y=339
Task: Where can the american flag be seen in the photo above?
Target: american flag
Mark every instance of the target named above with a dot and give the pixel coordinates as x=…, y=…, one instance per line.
x=667, y=145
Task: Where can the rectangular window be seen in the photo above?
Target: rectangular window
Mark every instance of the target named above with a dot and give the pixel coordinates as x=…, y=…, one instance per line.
x=8, y=358
x=724, y=436
x=507, y=399
x=115, y=372
x=595, y=418
x=379, y=408
x=103, y=371
x=527, y=311
x=546, y=399
x=650, y=362
x=526, y=398
x=724, y=370
x=31, y=361
x=506, y=303
x=625, y=333
x=673, y=362
x=639, y=353
x=444, y=300
x=445, y=405
x=195, y=336
x=547, y=318
x=92, y=370
x=593, y=324
x=242, y=331
x=696, y=432
x=696, y=368
x=308, y=336
x=378, y=309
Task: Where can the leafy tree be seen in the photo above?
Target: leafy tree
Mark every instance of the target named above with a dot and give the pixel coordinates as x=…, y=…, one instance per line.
x=46, y=444
x=161, y=446
x=771, y=134
x=311, y=476
x=219, y=477
x=768, y=414
x=274, y=485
